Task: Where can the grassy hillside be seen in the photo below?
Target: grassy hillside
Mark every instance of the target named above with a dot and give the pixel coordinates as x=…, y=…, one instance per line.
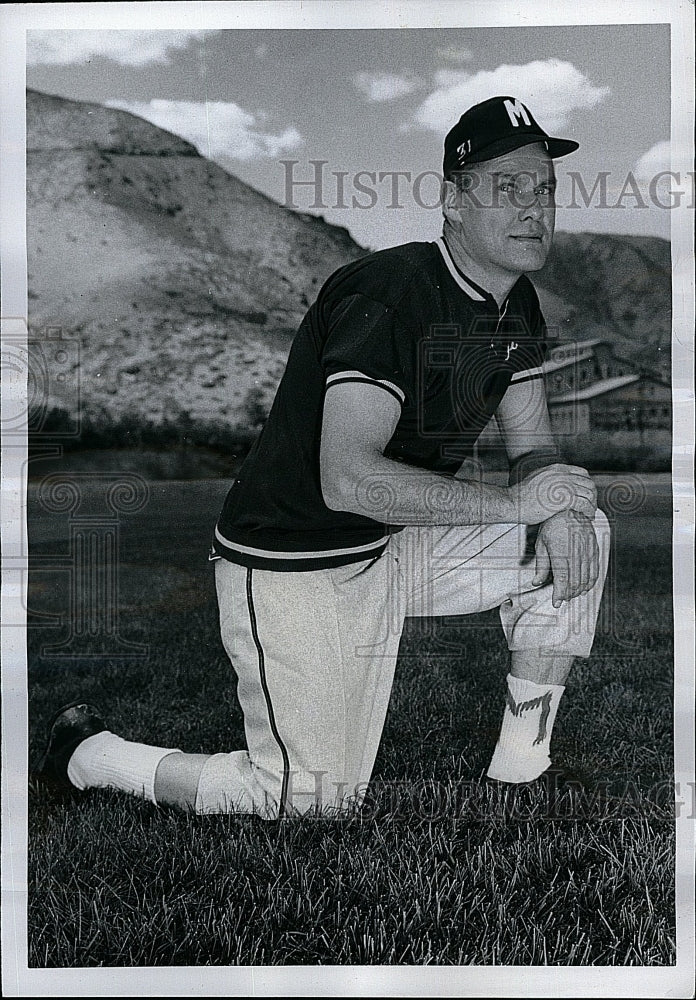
x=182, y=285
x=614, y=287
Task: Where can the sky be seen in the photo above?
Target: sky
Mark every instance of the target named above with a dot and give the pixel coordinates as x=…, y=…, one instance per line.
x=370, y=103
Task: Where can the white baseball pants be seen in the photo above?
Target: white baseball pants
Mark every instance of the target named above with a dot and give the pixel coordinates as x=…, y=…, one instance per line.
x=314, y=653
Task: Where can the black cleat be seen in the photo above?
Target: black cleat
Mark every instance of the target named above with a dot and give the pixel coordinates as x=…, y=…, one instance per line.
x=69, y=727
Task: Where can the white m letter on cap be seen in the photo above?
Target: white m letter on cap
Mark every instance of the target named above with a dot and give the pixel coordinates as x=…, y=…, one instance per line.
x=516, y=111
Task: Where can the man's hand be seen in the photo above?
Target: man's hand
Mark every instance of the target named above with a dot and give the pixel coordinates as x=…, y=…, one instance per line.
x=554, y=489
x=566, y=547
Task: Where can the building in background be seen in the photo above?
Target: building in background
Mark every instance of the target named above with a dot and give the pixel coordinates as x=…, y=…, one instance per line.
x=600, y=401
x=607, y=412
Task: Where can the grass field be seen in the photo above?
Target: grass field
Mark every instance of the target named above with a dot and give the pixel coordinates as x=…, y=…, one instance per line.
x=435, y=870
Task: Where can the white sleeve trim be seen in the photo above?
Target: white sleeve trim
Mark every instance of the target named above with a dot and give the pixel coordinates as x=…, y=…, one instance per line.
x=358, y=376
x=527, y=374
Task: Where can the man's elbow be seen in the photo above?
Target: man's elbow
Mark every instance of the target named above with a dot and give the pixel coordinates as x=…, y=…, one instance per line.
x=334, y=498
x=352, y=480
x=337, y=489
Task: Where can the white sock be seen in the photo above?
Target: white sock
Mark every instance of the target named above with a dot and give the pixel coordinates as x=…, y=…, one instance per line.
x=522, y=751
x=108, y=761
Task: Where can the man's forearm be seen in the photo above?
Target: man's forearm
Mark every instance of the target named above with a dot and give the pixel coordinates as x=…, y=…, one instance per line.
x=395, y=493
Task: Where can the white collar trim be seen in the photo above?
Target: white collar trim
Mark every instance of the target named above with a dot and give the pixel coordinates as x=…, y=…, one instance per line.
x=465, y=285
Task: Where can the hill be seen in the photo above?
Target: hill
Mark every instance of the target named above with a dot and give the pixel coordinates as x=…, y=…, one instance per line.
x=614, y=287
x=184, y=286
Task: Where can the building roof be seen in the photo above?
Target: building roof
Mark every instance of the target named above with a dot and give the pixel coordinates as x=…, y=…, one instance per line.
x=596, y=389
x=552, y=366
x=579, y=345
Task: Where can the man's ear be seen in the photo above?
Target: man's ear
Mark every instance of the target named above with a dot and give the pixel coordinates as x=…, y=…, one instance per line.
x=451, y=197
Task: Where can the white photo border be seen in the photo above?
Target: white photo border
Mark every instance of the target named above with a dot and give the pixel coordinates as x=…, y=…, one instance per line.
x=17, y=978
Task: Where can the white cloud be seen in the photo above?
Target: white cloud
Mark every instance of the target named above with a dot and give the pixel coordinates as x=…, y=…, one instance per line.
x=657, y=158
x=653, y=173
x=216, y=128
x=455, y=55
x=380, y=87
x=553, y=90
x=130, y=48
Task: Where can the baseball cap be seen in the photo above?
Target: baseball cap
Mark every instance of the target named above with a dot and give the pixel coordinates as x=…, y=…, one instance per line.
x=495, y=127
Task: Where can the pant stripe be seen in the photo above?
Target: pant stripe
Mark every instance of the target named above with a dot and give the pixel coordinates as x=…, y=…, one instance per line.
x=267, y=694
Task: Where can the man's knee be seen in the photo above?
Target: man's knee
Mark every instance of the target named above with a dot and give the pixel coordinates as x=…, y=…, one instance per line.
x=320, y=792
x=229, y=783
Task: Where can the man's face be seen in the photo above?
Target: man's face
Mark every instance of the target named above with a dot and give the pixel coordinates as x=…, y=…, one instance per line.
x=509, y=213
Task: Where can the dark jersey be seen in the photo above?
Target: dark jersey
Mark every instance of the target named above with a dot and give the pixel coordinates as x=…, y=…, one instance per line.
x=404, y=319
